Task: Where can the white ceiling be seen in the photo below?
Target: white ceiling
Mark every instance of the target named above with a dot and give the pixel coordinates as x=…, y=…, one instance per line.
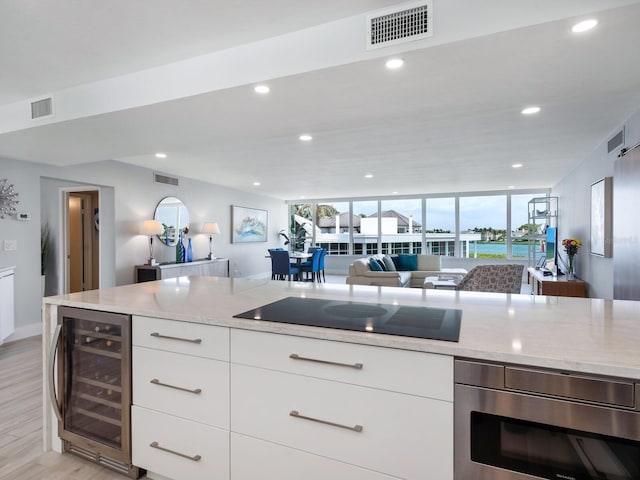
x=448, y=121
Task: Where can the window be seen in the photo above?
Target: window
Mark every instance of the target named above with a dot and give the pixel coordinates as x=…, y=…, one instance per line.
x=332, y=222
x=401, y=226
x=483, y=226
x=365, y=234
x=440, y=227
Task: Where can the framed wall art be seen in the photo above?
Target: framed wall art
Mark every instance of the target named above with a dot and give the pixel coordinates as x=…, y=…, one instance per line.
x=601, y=217
x=248, y=224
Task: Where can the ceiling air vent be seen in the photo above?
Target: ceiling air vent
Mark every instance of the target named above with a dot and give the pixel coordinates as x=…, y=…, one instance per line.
x=166, y=179
x=42, y=108
x=400, y=24
x=616, y=141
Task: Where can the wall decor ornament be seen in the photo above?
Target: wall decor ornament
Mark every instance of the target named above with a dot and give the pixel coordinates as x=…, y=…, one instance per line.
x=248, y=225
x=8, y=198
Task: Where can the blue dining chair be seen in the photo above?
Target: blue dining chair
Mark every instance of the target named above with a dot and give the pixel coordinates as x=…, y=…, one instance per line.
x=324, y=254
x=281, y=266
x=312, y=266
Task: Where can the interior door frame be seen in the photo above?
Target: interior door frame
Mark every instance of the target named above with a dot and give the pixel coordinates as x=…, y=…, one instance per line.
x=63, y=244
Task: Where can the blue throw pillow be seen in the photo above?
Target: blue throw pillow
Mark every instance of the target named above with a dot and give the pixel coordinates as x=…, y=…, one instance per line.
x=382, y=265
x=407, y=262
x=374, y=265
x=396, y=262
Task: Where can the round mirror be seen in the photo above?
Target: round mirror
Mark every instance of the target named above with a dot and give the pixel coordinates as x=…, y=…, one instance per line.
x=174, y=217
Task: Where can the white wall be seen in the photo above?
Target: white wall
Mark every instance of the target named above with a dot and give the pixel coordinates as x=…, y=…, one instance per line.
x=26, y=258
x=574, y=198
x=134, y=196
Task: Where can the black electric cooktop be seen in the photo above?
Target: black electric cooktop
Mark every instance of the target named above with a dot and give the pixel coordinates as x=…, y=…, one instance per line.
x=420, y=322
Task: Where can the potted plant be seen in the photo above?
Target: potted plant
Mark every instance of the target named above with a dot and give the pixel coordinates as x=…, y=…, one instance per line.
x=295, y=238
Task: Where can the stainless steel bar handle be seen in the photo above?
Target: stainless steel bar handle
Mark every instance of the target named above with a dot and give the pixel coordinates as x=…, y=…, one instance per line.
x=357, y=366
x=155, y=381
x=51, y=380
x=159, y=335
x=355, y=428
x=195, y=458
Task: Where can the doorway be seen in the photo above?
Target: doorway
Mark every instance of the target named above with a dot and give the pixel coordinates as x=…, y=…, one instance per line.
x=82, y=245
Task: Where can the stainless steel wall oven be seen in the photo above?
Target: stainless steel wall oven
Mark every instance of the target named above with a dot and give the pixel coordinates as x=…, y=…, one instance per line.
x=516, y=423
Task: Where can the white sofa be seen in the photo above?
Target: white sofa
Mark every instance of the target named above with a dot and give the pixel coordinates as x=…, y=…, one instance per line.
x=360, y=273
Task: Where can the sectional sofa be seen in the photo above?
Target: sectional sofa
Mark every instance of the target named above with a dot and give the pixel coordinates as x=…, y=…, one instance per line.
x=410, y=270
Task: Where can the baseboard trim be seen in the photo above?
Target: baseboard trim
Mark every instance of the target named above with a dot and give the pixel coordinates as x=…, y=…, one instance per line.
x=25, y=331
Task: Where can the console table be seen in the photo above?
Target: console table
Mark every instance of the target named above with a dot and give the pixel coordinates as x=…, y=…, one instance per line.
x=217, y=267
x=556, y=286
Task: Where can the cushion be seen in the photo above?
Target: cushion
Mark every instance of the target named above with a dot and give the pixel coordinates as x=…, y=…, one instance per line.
x=430, y=263
x=382, y=265
x=407, y=262
x=361, y=266
x=388, y=262
x=374, y=265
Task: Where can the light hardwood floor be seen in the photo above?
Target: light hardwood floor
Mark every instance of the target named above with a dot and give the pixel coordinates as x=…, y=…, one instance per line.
x=21, y=455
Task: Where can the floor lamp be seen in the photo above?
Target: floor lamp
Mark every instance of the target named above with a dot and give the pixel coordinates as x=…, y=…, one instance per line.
x=211, y=229
x=151, y=228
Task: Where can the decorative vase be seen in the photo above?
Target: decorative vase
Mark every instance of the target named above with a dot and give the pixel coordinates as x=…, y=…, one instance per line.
x=189, y=252
x=570, y=273
x=179, y=251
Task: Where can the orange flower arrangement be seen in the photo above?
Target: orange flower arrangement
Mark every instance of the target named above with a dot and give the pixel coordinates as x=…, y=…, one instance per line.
x=571, y=246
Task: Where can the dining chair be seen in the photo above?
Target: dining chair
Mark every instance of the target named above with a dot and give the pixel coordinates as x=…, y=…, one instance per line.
x=324, y=254
x=312, y=266
x=281, y=265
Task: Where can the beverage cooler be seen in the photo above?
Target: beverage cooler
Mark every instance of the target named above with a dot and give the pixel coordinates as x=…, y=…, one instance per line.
x=92, y=392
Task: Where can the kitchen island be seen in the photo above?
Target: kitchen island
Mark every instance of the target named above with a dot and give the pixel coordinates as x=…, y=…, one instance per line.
x=265, y=406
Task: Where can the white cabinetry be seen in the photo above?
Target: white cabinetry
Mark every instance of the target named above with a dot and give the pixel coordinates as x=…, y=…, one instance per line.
x=218, y=403
x=383, y=410
x=180, y=413
x=7, y=322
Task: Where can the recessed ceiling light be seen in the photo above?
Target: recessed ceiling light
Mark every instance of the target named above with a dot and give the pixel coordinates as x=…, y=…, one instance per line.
x=394, y=63
x=530, y=110
x=305, y=137
x=161, y=155
x=516, y=165
x=368, y=175
x=261, y=89
x=394, y=193
x=256, y=184
x=511, y=187
x=584, y=25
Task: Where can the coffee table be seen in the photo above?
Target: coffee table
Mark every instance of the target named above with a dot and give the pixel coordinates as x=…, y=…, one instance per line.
x=442, y=281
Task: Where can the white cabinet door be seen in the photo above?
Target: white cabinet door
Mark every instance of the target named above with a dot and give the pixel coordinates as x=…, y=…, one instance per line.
x=407, y=436
x=195, y=339
x=253, y=459
x=417, y=373
x=178, y=449
x=190, y=387
x=7, y=324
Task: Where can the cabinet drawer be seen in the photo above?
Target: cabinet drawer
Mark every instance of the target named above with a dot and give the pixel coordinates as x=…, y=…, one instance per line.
x=417, y=373
x=183, y=439
x=176, y=381
x=402, y=435
x=271, y=461
x=181, y=337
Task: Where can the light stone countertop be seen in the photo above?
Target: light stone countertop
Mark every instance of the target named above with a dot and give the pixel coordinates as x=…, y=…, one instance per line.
x=574, y=334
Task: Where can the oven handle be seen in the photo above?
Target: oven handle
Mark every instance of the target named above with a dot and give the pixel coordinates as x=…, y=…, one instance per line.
x=51, y=379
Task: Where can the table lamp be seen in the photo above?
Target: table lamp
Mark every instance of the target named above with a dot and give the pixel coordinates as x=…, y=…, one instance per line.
x=151, y=228
x=211, y=229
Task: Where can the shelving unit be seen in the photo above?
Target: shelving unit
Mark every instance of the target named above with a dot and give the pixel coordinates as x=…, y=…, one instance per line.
x=542, y=213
